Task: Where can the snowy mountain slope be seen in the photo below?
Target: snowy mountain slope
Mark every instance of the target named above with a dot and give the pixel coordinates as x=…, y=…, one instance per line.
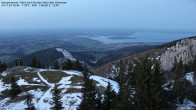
x=66, y=53
x=40, y=83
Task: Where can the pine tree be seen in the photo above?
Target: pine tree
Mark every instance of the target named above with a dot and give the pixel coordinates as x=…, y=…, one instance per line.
x=131, y=75
x=43, y=66
x=15, y=90
x=123, y=97
x=56, y=65
x=30, y=105
x=149, y=81
x=193, y=65
x=56, y=99
x=39, y=65
x=178, y=69
x=68, y=65
x=34, y=62
x=98, y=101
x=88, y=92
x=181, y=69
x=157, y=81
x=181, y=89
x=3, y=66
x=18, y=62
x=77, y=65
x=174, y=69
x=109, y=98
x=143, y=85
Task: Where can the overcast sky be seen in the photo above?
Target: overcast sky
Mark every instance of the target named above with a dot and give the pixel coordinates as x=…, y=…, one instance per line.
x=110, y=14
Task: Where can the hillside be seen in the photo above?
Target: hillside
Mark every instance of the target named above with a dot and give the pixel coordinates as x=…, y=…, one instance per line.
x=40, y=83
x=91, y=58
x=181, y=49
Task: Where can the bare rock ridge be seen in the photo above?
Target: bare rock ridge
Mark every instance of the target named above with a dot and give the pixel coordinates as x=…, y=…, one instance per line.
x=184, y=49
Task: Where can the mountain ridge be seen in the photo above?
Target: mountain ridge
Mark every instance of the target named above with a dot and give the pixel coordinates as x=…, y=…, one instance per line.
x=182, y=48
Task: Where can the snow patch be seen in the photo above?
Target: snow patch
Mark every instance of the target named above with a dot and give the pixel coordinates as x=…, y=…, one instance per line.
x=104, y=82
x=72, y=72
x=3, y=86
x=21, y=82
x=66, y=53
x=27, y=69
x=187, y=105
x=71, y=101
x=36, y=80
x=189, y=77
x=4, y=73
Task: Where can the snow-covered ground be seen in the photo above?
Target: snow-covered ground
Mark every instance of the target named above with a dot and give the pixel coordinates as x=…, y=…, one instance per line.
x=3, y=86
x=42, y=97
x=104, y=82
x=66, y=53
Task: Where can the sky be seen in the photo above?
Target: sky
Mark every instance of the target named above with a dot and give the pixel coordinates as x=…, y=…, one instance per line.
x=103, y=14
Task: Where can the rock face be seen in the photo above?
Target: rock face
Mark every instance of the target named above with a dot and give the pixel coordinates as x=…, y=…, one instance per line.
x=184, y=49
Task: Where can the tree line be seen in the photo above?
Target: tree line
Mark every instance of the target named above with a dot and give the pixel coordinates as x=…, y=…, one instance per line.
x=143, y=85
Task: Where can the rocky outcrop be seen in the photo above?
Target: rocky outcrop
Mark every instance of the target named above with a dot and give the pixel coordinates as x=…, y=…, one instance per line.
x=184, y=49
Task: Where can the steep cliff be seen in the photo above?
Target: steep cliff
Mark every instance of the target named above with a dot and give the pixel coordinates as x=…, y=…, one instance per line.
x=184, y=49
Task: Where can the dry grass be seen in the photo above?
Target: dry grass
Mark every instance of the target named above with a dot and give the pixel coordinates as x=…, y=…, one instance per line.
x=76, y=80
x=53, y=76
x=72, y=90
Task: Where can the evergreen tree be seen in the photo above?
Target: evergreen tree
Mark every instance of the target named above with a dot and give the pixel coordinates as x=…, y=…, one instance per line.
x=39, y=65
x=88, y=92
x=178, y=69
x=18, y=62
x=131, y=75
x=98, y=102
x=148, y=86
x=174, y=68
x=156, y=82
x=77, y=65
x=181, y=90
x=56, y=65
x=68, y=65
x=141, y=85
x=30, y=105
x=15, y=90
x=43, y=66
x=123, y=99
x=194, y=76
x=3, y=66
x=56, y=99
x=109, y=98
x=34, y=62
x=193, y=65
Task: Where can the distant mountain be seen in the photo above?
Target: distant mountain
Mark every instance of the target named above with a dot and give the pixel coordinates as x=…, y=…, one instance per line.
x=49, y=56
x=46, y=56
x=91, y=58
